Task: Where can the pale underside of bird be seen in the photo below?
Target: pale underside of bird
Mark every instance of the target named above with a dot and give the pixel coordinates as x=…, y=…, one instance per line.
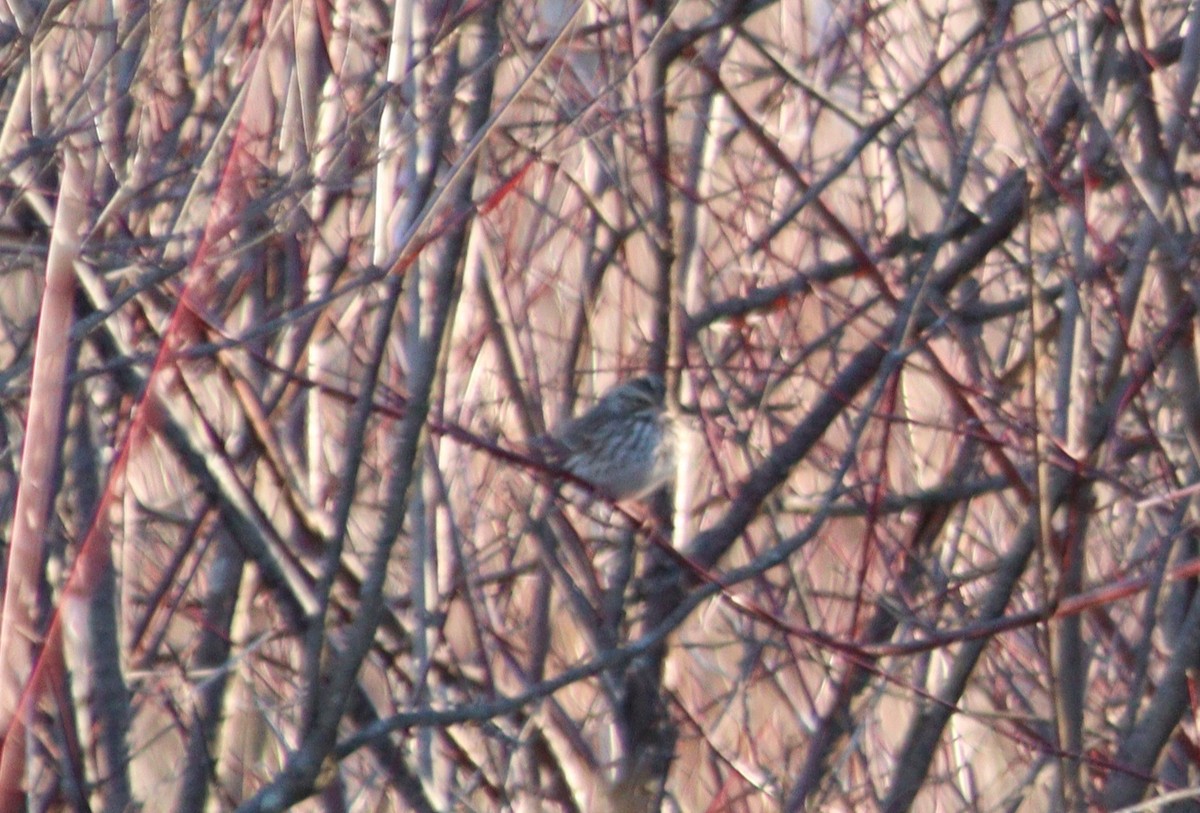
x=624, y=445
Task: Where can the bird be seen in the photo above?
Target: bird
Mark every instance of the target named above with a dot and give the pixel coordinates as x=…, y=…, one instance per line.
x=624, y=445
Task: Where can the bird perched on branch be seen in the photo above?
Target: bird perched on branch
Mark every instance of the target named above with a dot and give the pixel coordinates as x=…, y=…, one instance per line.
x=624, y=446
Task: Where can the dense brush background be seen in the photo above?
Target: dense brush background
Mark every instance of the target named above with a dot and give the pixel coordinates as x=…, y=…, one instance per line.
x=290, y=288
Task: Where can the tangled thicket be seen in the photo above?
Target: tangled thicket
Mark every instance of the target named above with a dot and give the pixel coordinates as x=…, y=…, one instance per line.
x=292, y=289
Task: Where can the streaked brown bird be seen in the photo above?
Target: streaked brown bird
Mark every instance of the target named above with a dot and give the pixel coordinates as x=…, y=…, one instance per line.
x=625, y=444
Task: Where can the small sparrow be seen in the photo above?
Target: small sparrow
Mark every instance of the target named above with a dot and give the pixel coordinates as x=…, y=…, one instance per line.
x=624, y=446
